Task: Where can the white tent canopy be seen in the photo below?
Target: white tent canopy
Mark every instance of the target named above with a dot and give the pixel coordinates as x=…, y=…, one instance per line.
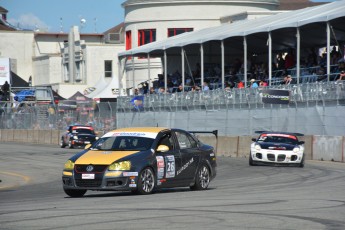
x=317, y=14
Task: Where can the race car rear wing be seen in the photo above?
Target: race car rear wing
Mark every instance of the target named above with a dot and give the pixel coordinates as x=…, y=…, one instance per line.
x=214, y=132
x=275, y=132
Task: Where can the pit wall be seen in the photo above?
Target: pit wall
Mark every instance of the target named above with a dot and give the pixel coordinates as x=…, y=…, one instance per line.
x=326, y=148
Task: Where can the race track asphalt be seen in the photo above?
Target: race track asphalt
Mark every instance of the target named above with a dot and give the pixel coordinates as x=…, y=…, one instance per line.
x=241, y=197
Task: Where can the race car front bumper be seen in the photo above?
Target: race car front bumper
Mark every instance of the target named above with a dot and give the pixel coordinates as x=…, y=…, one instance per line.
x=108, y=181
x=277, y=157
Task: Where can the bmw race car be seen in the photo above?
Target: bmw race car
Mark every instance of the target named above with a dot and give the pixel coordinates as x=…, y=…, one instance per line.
x=141, y=160
x=277, y=148
x=78, y=136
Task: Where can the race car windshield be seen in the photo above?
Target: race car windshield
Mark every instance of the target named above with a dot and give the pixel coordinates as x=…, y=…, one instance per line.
x=278, y=139
x=84, y=131
x=123, y=143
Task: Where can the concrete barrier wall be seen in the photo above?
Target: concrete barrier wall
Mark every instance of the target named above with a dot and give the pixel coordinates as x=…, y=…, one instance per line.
x=328, y=148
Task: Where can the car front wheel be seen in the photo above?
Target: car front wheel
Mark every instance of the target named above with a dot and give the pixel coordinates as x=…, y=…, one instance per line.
x=146, y=182
x=62, y=143
x=75, y=192
x=202, y=179
x=70, y=145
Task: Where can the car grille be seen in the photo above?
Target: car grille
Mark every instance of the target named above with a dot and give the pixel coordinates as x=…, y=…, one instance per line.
x=281, y=157
x=88, y=183
x=96, y=168
x=271, y=157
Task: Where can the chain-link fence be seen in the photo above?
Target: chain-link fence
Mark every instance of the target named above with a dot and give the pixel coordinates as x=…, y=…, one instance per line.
x=36, y=115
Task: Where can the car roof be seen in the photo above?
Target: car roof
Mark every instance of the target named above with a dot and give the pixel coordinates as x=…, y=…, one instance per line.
x=141, y=129
x=273, y=132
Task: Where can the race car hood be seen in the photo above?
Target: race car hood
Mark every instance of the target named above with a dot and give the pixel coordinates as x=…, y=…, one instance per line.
x=276, y=146
x=100, y=157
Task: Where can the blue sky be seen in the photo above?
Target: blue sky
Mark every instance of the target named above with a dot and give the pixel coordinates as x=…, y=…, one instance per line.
x=57, y=15
x=49, y=15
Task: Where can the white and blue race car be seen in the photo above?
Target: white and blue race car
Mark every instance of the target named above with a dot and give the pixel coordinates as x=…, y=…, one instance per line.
x=277, y=148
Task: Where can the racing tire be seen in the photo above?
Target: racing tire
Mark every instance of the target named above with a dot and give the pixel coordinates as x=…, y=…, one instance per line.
x=251, y=161
x=202, y=179
x=146, y=182
x=62, y=143
x=70, y=145
x=75, y=192
x=301, y=165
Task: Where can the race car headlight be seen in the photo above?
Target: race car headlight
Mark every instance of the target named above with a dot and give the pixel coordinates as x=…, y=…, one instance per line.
x=69, y=165
x=296, y=150
x=96, y=138
x=257, y=147
x=123, y=165
x=75, y=137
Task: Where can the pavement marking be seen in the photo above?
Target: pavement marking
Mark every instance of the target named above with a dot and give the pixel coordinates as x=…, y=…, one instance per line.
x=25, y=178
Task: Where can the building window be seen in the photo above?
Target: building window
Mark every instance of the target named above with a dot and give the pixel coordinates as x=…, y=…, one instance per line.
x=146, y=36
x=128, y=40
x=177, y=31
x=108, y=68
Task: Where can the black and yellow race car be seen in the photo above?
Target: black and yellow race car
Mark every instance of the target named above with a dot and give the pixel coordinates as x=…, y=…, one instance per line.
x=141, y=160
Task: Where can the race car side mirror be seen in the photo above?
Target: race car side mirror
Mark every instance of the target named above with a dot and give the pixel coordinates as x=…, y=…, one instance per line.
x=87, y=146
x=162, y=148
x=301, y=142
x=253, y=139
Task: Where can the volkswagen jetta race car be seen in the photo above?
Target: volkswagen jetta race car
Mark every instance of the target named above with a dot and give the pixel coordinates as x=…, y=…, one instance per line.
x=278, y=148
x=141, y=160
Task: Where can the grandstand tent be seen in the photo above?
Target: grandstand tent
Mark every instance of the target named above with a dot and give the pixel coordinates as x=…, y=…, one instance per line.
x=319, y=26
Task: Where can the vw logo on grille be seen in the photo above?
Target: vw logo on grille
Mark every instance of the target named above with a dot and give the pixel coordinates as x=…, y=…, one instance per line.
x=89, y=168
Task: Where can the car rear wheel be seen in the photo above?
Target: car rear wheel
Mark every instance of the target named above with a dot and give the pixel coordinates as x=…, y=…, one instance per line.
x=62, y=143
x=146, y=182
x=75, y=192
x=203, y=178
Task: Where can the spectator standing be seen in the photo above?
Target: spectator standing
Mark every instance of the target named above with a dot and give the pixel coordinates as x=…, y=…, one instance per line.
x=6, y=91
x=205, y=86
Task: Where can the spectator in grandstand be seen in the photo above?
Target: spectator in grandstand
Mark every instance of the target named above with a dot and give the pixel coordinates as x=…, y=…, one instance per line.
x=289, y=59
x=262, y=83
x=152, y=90
x=179, y=89
x=240, y=85
x=161, y=90
x=205, y=86
x=253, y=84
x=341, y=76
x=287, y=80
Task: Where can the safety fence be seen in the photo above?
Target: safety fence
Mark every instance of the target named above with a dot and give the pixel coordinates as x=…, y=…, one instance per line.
x=43, y=116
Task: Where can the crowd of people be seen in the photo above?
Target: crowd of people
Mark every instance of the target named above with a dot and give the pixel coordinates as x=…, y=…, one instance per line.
x=312, y=67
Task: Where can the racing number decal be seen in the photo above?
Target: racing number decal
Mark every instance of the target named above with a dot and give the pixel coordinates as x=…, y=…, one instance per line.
x=170, y=166
x=160, y=167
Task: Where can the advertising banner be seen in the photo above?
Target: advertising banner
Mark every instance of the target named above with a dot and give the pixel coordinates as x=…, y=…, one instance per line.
x=275, y=96
x=5, y=70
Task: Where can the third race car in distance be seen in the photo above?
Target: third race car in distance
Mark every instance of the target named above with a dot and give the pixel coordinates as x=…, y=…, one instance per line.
x=141, y=160
x=277, y=148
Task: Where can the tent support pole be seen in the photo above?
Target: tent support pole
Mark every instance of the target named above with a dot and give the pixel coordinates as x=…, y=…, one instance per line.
x=202, y=64
x=165, y=71
x=223, y=64
x=328, y=51
x=149, y=70
x=270, y=58
x=245, y=60
x=133, y=74
x=298, y=55
x=183, y=75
